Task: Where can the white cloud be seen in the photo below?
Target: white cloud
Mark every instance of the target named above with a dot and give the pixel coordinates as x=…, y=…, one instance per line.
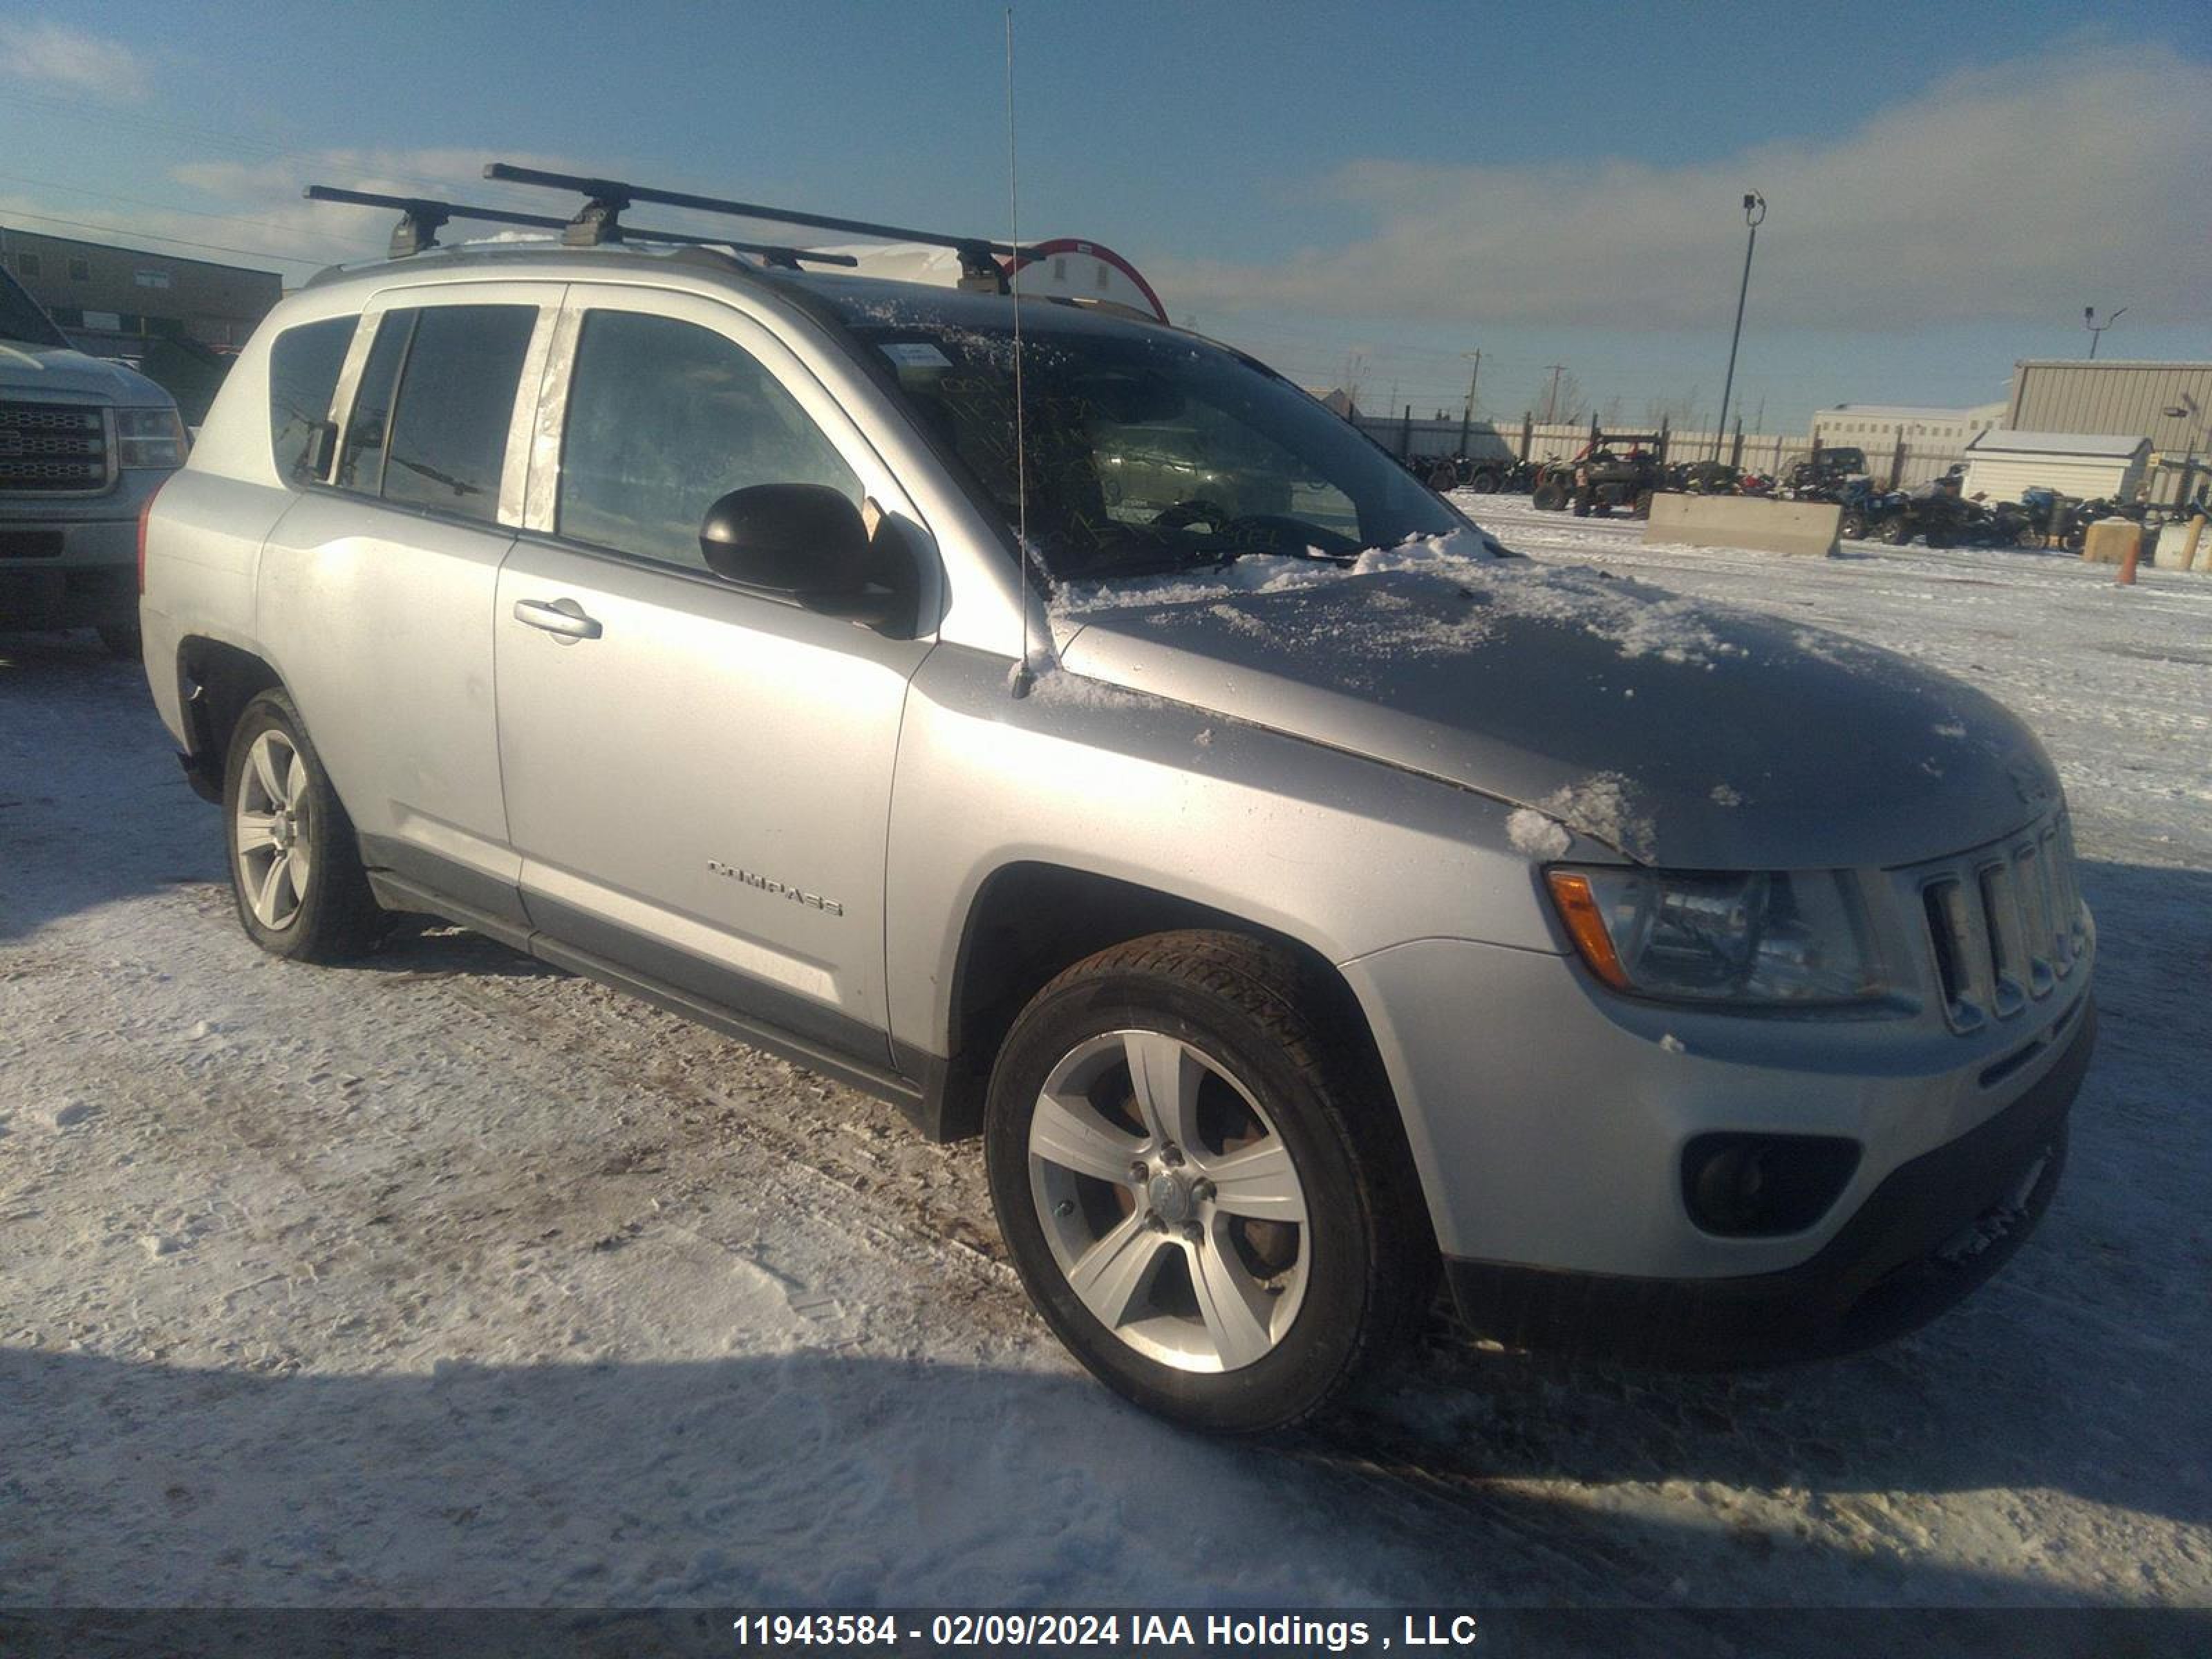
x=2021, y=192
x=51, y=53
x=272, y=193
x=251, y=213
x=241, y=212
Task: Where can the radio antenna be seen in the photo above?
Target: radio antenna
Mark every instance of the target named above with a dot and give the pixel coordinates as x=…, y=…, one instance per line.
x=1024, y=675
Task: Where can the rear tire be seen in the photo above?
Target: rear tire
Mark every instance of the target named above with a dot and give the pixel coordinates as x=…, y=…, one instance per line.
x=1898, y=531
x=1485, y=483
x=1135, y=1094
x=295, y=864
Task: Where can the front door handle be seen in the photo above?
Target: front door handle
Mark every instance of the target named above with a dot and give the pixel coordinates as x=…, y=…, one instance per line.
x=562, y=617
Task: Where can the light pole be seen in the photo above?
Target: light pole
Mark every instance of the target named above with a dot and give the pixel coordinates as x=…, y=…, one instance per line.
x=2187, y=409
x=1754, y=214
x=1467, y=421
x=2097, y=329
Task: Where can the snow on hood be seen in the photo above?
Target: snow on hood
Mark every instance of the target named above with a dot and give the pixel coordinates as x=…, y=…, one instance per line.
x=1678, y=733
x=36, y=371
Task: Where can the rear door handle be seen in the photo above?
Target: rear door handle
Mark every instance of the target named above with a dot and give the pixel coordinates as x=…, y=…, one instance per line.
x=562, y=617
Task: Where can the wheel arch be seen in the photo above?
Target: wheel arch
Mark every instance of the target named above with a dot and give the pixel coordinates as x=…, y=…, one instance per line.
x=215, y=680
x=1030, y=920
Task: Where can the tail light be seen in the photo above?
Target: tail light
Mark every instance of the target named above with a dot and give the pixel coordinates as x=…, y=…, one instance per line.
x=146, y=512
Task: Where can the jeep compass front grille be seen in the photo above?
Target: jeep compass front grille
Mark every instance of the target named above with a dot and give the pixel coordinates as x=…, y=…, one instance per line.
x=2004, y=923
x=54, y=449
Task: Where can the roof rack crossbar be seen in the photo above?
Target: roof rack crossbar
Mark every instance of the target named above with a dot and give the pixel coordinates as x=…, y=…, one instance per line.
x=421, y=217
x=606, y=196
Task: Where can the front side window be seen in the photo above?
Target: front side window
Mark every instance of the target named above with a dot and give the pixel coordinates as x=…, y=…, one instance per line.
x=303, y=373
x=663, y=418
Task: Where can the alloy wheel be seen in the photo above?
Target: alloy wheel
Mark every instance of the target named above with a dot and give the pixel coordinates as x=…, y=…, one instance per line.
x=271, y=827
x=1170, y=1201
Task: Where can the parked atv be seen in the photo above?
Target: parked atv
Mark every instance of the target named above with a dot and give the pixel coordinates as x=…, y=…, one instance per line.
x=1703, y=478
x=2045, y=510
x=2081, y=515
x=2005, y=525
x=1867, y=510
x=1485, y=475
x=1933, y=512
x=1599, y=480
x=1826, y=467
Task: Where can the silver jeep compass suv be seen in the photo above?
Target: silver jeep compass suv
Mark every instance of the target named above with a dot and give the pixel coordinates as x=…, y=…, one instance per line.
x=1296, y=891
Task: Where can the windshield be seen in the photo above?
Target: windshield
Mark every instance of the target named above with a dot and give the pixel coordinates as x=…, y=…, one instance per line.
x=1146, y=451
x=21, y=319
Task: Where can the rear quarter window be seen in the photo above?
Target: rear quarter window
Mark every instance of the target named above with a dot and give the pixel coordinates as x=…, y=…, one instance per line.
x=303, y=374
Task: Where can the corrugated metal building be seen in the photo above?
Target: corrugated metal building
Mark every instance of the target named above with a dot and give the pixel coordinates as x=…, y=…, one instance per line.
x=2085, y=465
x=2123, y=399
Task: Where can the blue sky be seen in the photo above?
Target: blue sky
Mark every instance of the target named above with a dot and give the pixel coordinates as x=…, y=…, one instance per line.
x=1369, y=190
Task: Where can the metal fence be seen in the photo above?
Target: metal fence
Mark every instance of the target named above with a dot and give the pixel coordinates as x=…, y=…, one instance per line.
x=1900, y=466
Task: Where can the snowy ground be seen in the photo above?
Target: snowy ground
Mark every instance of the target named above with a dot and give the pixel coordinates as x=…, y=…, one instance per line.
x=446, y=1278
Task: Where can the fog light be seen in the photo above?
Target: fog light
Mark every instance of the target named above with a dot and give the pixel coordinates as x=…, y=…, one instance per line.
x=1746, y=1186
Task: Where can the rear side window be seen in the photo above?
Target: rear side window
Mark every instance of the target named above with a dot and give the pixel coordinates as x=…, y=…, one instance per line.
x=303, y=373
x=666, y=417
x=430, y=418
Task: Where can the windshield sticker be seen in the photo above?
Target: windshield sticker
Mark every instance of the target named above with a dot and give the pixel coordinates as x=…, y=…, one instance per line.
x=915, y=354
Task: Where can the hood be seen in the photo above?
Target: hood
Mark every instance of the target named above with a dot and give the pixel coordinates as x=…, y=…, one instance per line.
x=72, y=376
x=1682, y=734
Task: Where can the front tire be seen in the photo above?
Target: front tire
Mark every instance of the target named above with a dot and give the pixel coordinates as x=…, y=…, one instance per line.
x=295, y=861
x=1548, y=497
x=1202, y=1185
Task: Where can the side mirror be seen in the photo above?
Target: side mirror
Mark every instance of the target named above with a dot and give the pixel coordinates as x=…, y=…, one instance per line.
x=795, y=540
x=809, y=545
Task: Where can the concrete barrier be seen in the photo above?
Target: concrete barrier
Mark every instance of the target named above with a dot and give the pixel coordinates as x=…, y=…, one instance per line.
x=1801, y=527
x=2109, y=541
x=2178, y=541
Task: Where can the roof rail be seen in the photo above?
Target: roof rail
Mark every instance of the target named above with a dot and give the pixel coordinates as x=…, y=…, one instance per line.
x=606, y=199
x=421, y=217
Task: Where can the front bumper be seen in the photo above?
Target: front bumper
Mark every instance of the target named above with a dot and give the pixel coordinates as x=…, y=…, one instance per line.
x=58, y=572
x=1933, y=1230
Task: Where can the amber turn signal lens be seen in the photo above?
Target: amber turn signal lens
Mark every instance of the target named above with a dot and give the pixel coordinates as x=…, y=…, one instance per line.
x=1578, y=909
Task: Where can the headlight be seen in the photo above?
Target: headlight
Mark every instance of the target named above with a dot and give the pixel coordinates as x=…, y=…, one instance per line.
x=150, y=437
x=1795, y=938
